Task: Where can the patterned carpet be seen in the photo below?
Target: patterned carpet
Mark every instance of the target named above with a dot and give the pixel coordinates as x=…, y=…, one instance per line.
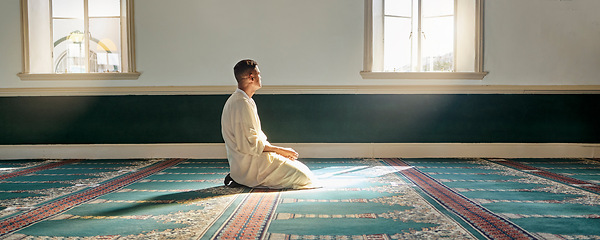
x=359, y=199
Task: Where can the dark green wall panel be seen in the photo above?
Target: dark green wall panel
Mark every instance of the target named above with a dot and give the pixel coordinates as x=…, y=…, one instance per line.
x=110, y=119
x=304, y=118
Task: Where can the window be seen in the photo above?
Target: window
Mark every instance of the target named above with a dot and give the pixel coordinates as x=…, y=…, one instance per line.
x=423, y=39
x=78, y=39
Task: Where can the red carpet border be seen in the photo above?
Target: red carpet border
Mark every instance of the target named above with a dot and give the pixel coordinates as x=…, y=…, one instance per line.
x=595, y=188
x=58, y=206
x=37, y=169
x=486, y=222
x=251, y=219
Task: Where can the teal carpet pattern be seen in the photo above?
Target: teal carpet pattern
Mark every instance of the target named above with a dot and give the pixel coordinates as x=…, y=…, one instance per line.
x=358, y=199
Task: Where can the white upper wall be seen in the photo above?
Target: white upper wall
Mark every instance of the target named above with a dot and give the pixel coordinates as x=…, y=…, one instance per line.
x=308, y=42
x=316, y=42
x=554, y=42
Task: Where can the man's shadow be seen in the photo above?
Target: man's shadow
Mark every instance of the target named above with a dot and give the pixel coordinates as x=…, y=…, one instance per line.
x=172, y=200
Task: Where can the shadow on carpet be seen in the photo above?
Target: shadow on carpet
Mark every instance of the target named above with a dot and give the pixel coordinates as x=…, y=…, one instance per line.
x=359, y=199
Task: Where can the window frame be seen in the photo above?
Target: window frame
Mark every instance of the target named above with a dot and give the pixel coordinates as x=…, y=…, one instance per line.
x=130, y=73
x=369, y=54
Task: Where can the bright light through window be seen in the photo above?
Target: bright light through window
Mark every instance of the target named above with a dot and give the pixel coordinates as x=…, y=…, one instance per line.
x=419, y=36
x=76, y=39
x=84, y=36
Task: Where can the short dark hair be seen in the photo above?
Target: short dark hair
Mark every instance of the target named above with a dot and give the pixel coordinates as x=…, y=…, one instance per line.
x=243, y=68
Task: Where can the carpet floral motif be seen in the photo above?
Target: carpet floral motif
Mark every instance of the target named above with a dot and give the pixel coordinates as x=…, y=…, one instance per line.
x=359, y=199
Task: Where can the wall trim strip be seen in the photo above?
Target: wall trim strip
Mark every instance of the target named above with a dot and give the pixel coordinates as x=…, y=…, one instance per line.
x=307, y=89
x=307, y=150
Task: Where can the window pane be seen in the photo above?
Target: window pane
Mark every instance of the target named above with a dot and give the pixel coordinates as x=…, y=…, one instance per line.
x=466, y=32
x=398, y=7
x=105, y=45
x=438, y=44
x=104, y=8
x=40, y=34
x=67, y=9
x=69, y=47
x=397, y=44
x=432, y=8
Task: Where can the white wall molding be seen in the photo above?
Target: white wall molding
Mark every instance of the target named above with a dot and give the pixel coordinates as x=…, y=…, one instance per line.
x=307, y=150
x=306, y=89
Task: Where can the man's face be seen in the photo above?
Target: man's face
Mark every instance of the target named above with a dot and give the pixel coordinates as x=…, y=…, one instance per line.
x=255, y=75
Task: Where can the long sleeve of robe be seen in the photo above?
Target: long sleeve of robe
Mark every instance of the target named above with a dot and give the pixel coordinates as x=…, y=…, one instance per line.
x=245, y=143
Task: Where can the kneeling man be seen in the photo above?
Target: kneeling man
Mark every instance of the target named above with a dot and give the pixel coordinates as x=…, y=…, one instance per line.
x=253, y=161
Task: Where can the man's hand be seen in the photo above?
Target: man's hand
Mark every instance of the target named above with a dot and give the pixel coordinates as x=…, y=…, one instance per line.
x=286, y=152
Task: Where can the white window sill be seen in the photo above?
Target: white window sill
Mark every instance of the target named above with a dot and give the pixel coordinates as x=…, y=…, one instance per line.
x=78, y=76
x=424, y=75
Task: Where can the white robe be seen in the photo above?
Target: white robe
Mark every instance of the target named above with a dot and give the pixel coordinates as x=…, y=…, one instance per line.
x=245, y=142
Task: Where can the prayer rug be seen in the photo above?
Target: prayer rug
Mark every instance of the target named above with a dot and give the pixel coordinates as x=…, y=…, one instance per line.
x=358, y=199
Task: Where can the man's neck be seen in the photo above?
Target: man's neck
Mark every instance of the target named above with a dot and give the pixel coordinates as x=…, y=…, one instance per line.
x=248, y=90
